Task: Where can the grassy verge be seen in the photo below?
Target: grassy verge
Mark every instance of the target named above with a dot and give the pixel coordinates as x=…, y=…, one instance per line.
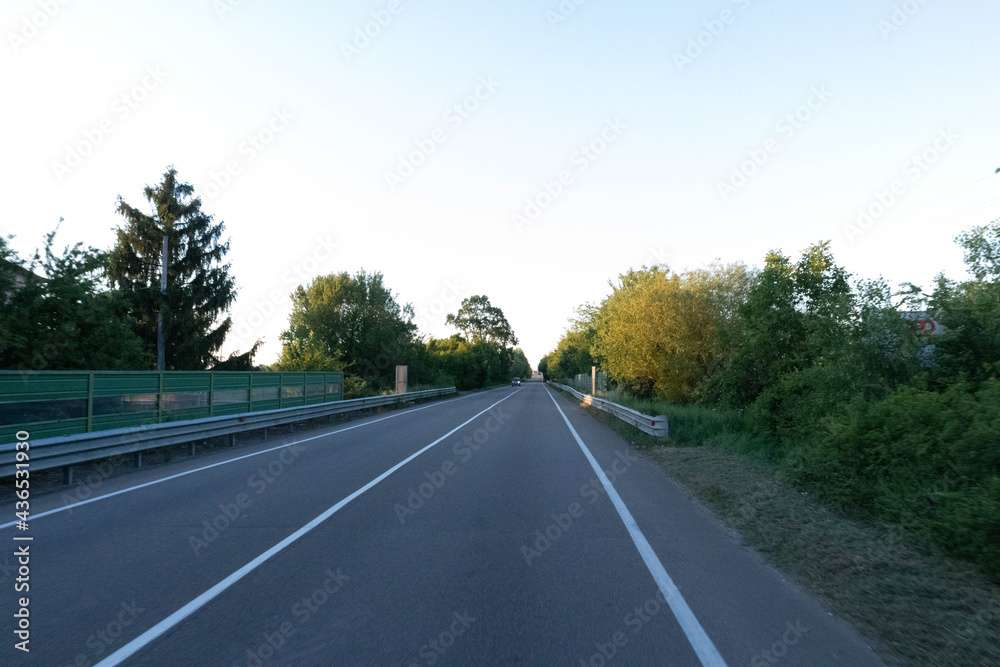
x=916, y=604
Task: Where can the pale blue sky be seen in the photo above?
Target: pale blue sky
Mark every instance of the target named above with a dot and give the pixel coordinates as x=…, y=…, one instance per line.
x=447, y=231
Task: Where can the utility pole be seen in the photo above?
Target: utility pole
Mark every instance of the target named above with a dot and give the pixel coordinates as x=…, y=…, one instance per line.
x=161, y=364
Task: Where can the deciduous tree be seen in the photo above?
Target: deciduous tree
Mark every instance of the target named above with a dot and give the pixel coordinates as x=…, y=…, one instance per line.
x=479, y=320
x=352, y=320
x=60, y=316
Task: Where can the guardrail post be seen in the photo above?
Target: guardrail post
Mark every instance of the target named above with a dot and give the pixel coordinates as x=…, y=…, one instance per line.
x=661, y=426
x=232, y=439
x=138, y=459
x=194, y=445
x=159, y=402
x=68, y=475
x=90, y=402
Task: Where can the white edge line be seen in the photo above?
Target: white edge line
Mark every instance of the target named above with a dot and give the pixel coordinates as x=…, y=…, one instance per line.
x=64, y=508
x=194, y=605
x=699, y=639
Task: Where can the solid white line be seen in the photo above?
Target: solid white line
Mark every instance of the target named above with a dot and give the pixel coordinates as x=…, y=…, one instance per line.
x=194, y=605
x=35, y=517
x=696, y=635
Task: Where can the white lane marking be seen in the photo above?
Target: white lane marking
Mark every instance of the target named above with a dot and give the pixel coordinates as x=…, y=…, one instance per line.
x=194, y=605
x=696, y=635
x=35, y=517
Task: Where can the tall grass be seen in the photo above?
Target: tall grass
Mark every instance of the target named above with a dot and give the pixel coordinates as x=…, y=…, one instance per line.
x=694, y=425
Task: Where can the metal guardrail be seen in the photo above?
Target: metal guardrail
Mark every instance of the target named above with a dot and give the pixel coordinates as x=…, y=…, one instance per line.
x=69, y=450
x=656, y=426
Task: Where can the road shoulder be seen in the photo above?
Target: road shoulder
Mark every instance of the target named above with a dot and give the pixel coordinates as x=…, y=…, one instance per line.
x=915, y=605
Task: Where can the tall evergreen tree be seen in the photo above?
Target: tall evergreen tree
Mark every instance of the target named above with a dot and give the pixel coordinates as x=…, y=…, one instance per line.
x=199, y=287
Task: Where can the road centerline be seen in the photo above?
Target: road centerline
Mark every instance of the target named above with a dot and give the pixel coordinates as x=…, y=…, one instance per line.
x=194, y=605
x=161, y=480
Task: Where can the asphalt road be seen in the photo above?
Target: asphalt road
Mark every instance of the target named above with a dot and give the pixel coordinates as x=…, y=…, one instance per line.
x=474, y=531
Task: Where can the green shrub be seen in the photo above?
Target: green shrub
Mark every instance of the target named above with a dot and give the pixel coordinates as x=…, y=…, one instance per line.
x=356, y=387
x=928, y=460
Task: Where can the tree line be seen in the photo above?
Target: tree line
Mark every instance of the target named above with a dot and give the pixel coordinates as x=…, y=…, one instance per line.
x=85, y=308
x=354, y=323
x=831, y=376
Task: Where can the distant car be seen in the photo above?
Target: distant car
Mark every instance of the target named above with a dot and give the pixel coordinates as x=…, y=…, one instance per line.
x=516, y=382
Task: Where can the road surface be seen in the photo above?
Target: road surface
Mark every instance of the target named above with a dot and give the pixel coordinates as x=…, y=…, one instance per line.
x=506, y=527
